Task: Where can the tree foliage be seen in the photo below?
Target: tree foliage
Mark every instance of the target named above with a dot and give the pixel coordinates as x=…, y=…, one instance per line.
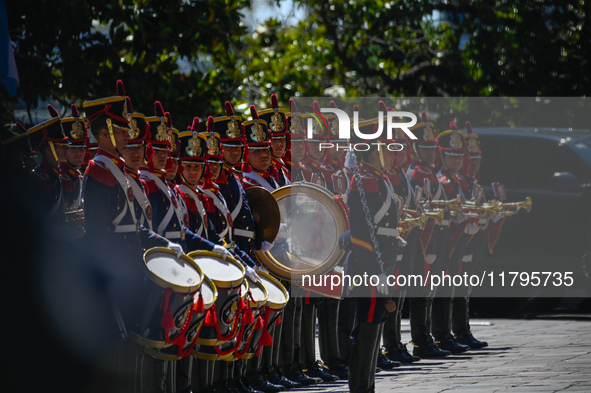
x=193, y=55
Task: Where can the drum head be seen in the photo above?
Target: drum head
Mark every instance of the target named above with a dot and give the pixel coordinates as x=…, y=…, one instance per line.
x=169, y=271
x=209, y=292
x=258, y=292
x=308, y=239
x=278, y=296
x=224, y=274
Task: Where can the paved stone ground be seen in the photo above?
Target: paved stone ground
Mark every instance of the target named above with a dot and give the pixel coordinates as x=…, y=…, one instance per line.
x=541, y=355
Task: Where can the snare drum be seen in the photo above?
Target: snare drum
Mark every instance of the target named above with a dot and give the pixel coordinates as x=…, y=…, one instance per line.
x=228, y=277
x=250, y=333
x=208, y=294
x=276, y=302
x=173, y=282
x=223, y=350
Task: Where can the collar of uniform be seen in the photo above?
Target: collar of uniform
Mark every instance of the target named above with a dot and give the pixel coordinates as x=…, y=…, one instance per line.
x=222, y=179
x=278, y=162
x=308, y=161
x=118, y=161
x=367, y=168
x=135, y=175
x=263, y=174
x=398, y=168
x=49, y=165
x=66, y=167
x=422, y=166
x=212, y=186
x=446, y=172
x=227, y=168
x=161, y=174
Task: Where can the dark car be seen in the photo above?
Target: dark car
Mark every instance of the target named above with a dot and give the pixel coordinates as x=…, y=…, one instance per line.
x=553, y=167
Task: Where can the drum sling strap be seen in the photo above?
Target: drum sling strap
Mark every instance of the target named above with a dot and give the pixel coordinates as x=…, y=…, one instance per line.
x=175, y=210
x=381, y=213
x=261, y=180
x=235, y=212
x=124, y=183
x=142, y=200
x=187, y=190
x=220, y=203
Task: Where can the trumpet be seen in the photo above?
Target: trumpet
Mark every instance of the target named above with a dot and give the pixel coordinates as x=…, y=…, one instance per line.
x=453, y=204
x=419, y=219
x=512, y=208
x=486, y=209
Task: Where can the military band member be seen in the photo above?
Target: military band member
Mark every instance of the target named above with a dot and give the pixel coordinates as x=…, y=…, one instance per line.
x=395, y=350
x=373, y=253
x=297, y=137
x=134, y=155
x=310, y=164
x=50, y=143
x=450, y=249
x=118, y=238
x=329, y=310
x=257, y=169
x=425, y=152
x=75, y=130
x=477, y=245
x=275, y=118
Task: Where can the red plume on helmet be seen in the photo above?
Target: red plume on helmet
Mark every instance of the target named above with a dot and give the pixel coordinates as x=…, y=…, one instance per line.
x=382, y=107
x=424, y=116
x=195, y=126
x=129, y=106
x=158, y=110
x=229, y=109
x=333, y=104
x=120, y=89
x=292, y=106
x=210, y=127
x=75, y=112
x=253, y=112
x=52, y=111
x=21, y=127
x=274, y=103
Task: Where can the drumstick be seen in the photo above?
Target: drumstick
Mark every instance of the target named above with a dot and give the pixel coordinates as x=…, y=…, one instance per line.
x=119, y=319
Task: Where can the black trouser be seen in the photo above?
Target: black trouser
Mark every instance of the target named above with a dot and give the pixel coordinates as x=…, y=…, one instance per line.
x=392, y=335
x=346, y=323
x=308, y=331
x=328, y=339
x=442, y=304
x=290, y=334
x=366, y=344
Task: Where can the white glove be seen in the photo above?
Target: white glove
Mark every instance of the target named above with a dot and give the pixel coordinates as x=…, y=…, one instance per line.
x=459, y=218
x=401, y=242
x=430, y=258
x=496, y=218
x=252, y=274
x=176, y=248
x=266, y=246
x=382, y=286
x=222, y=250
x=471, y=229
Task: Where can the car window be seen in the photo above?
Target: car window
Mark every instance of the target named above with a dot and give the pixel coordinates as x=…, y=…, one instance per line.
x=537, y=160
x=497, y=160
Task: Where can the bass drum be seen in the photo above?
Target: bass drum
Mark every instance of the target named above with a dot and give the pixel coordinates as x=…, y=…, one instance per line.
x=312, y=223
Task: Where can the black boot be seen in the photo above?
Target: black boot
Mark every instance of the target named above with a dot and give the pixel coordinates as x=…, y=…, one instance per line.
x=317, y=371
x=449, y=344
x=469, y=340
x=430, y=350
x=385, y=363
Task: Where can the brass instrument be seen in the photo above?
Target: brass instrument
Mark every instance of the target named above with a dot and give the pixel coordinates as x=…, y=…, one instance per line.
x=512, y=208
x=419, y=219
